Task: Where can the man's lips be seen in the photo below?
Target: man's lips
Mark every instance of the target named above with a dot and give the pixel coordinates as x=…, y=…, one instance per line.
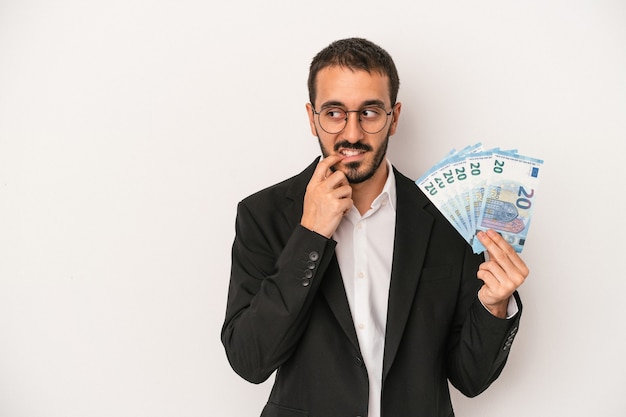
x=350, y=152
x=351, y=155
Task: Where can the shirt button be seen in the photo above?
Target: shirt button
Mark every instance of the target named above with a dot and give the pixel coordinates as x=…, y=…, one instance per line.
x=361, y=326
x=314, y=256
x=361, y=275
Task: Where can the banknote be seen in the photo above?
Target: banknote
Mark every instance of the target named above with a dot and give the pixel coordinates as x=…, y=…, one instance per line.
x=440, y=184
x=509, y=199
x=477, y=189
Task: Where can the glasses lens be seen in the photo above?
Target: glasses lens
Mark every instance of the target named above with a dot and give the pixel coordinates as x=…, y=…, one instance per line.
x=333, y=120
x=371, y=119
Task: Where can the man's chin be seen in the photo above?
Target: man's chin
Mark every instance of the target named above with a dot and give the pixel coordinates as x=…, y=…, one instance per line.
x=355, y=175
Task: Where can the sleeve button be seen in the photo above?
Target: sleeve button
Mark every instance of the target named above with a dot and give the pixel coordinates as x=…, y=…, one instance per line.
x=314, y=256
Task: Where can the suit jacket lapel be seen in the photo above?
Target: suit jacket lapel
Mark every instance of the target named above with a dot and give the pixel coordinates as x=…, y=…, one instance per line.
x=335, y=294
x=413, y=226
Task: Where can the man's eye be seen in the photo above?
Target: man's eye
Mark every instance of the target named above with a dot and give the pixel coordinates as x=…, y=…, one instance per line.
x=370, y=113
x=335, y=114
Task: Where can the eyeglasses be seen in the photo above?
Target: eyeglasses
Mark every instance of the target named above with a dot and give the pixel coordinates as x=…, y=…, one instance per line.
x=334, y=119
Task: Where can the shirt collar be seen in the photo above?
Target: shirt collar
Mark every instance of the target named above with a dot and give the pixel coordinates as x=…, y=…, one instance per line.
x=387, y=195
x=389, y=190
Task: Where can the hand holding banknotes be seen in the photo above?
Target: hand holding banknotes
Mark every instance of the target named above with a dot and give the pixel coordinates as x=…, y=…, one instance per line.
x=488, y=196
x=502, y=273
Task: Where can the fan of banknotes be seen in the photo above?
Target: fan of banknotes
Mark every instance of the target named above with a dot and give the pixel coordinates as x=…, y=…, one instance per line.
x=477, y=189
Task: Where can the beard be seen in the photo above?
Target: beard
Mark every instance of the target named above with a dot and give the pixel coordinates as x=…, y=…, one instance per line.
x=358, y=172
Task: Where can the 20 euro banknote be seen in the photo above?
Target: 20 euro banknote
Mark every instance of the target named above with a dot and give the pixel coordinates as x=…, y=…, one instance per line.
x=478, y=189
x=508, y=199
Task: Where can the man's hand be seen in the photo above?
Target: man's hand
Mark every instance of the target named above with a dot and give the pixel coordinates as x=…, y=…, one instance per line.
x=328, y=197
x=502, y=273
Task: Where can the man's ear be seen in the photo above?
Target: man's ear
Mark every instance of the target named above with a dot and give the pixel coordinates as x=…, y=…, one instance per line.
x=309, y=111
x=395, y=116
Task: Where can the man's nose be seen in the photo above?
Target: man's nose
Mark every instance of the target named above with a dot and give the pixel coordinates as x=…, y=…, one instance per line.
x=353, y=131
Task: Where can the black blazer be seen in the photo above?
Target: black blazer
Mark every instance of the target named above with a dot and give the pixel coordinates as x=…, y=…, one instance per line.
x=287, y=310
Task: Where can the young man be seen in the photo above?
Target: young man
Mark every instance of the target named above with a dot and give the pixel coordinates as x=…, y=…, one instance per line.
x=349, y=283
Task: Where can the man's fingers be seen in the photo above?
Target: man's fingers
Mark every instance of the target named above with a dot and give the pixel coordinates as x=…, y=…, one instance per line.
x=501, y=251
x=342, y=191
x=327, y=198
x=324, y=166
x=504, y=263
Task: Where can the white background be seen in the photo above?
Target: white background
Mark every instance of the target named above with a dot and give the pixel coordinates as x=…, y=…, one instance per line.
x=130, y=129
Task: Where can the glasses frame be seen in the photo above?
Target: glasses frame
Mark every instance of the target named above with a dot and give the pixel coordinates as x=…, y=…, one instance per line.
x=387, y=114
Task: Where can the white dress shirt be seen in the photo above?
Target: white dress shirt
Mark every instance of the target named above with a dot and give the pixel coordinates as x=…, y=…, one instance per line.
x=365, y=252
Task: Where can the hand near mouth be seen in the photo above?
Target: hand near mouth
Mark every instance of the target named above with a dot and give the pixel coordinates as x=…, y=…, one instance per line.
x=328, y=197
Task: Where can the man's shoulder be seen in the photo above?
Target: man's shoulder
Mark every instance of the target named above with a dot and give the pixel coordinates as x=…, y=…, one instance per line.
x=409, y=192
x=400, y=177
x=405, y=185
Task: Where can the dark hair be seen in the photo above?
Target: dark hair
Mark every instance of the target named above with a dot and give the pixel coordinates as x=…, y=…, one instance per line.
x=355, y=54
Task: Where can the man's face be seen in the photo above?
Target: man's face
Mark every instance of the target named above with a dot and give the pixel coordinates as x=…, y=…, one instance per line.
x=363, y=153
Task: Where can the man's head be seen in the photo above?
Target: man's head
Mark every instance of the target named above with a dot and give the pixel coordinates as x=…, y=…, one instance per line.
x=353, y=86
x=355, y=54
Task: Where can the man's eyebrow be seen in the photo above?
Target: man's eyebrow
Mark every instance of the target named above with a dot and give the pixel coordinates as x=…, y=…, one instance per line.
x=378, y=103
x=332, y=103
x=366, y=103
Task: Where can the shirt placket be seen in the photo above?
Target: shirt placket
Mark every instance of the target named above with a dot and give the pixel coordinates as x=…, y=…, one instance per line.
x=361, y=284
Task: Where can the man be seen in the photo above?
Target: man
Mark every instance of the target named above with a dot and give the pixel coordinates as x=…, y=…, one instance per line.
x=349, y=283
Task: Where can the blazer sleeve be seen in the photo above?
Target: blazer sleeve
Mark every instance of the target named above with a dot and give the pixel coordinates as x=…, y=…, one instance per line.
x=480, y=342
x=275, y=275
